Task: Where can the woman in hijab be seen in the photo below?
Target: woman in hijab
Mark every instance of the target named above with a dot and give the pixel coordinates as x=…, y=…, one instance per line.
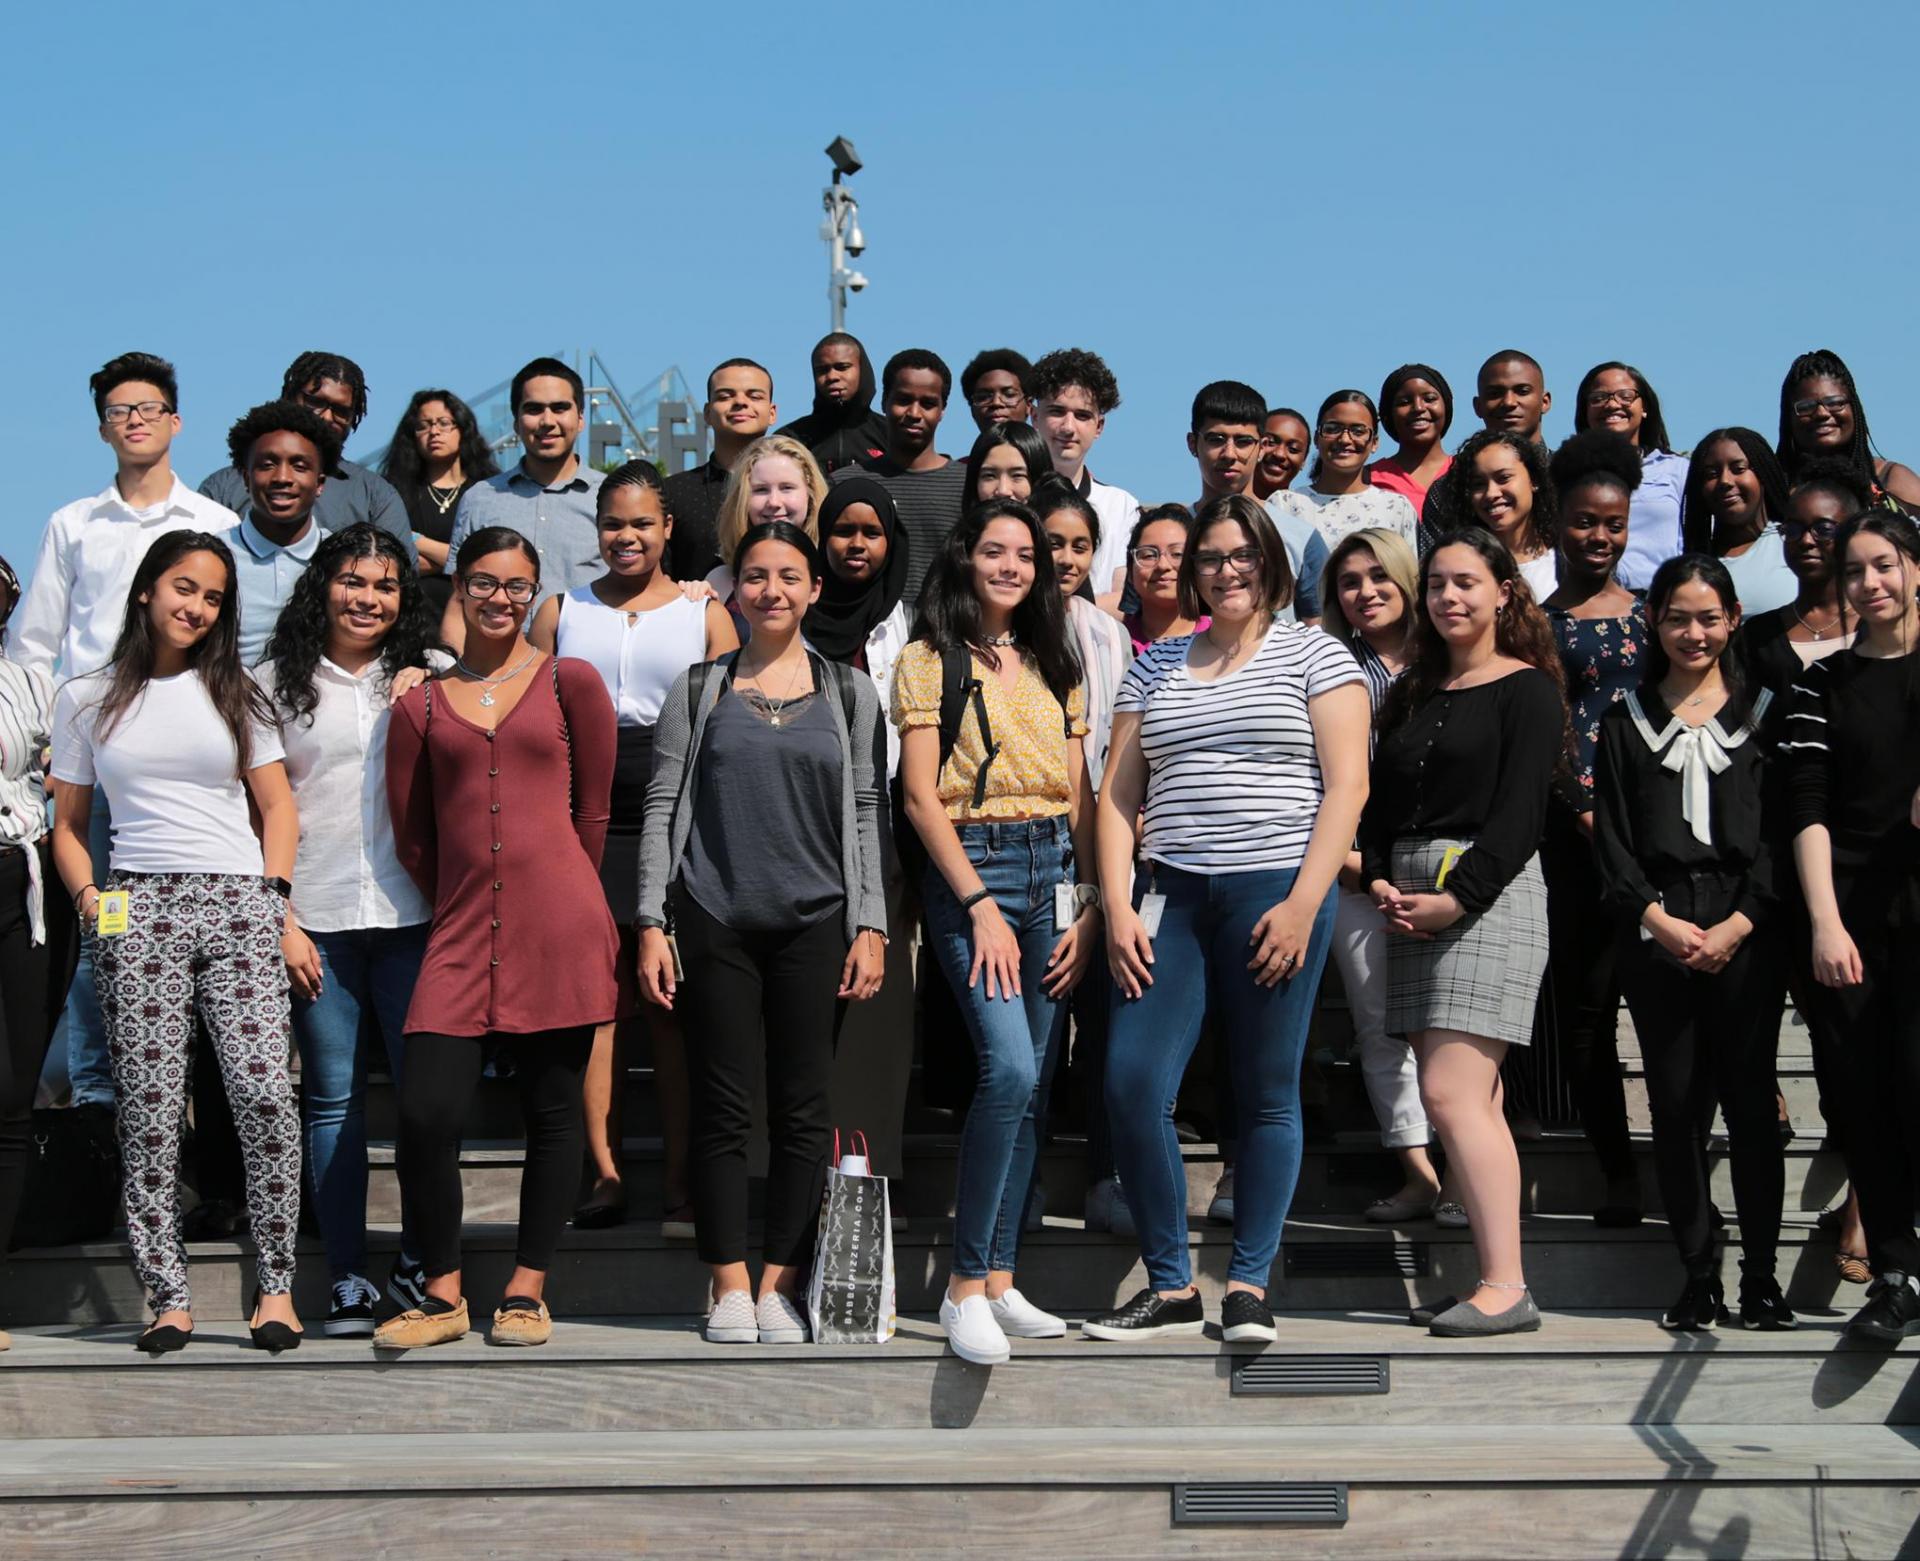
x=843, y=427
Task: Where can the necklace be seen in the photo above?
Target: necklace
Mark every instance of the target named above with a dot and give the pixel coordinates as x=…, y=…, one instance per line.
x=486, y=687
x=1818, y=634
x=446, y=504
x=1002, y=640
x=776, y=708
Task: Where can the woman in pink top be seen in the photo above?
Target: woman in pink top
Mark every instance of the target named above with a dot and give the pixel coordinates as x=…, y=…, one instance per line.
x=1416, y=408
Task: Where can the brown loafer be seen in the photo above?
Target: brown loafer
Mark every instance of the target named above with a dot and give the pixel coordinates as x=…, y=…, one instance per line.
x=519, y=1324
x=416, y=1329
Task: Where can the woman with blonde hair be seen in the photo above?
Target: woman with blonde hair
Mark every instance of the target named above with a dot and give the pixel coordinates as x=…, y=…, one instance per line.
x=777, y=478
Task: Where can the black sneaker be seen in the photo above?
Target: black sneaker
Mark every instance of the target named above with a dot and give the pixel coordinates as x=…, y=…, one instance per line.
x=1763, y=1306
x=1246, y=1319
x=1148, y=1316
x=1701, y=1305
x=1892, y=1312
x=407, y=1284
x=351, y=1315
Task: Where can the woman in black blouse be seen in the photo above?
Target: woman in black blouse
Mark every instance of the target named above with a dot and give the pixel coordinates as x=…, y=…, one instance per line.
x=1678, y=789
x=1470, y=740
x=437, y=453
x=1853, y=738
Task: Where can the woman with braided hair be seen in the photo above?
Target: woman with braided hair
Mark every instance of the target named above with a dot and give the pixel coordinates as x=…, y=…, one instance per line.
x=1821, y=414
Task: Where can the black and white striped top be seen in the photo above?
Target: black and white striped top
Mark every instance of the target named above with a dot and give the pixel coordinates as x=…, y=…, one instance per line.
x=1233, y=777
x=26, y=719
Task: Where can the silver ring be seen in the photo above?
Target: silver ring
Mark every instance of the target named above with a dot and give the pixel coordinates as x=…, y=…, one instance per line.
x=1289, y=960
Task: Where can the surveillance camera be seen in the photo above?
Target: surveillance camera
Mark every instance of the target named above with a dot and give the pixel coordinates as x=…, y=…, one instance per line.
x=857, y=281
x=856, y=241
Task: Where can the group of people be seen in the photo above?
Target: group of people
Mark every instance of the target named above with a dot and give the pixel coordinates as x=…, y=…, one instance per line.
x=506, y=770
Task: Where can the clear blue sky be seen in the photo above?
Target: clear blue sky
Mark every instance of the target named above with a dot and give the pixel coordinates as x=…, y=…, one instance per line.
x=1299, y=197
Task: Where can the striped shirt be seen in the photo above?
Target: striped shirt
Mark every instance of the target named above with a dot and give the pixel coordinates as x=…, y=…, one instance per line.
x=26, y=724
x=1851, y=741
x=1233, y=774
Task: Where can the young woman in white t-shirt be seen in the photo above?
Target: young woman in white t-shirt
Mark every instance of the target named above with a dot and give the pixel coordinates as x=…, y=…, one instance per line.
x=178, y=737
x=1247, y=747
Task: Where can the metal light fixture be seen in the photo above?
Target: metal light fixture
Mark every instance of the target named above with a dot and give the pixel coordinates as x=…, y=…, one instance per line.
x=841, y=231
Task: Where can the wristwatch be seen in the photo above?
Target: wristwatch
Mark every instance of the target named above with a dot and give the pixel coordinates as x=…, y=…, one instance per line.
x=281, y=887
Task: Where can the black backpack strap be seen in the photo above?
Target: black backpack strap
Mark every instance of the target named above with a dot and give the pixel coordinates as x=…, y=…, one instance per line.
x=959, y=687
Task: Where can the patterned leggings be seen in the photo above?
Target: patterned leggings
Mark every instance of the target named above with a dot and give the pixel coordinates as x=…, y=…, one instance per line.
x=210, y=943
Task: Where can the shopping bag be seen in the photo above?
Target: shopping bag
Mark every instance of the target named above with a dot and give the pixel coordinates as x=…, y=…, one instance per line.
x=850, y=1293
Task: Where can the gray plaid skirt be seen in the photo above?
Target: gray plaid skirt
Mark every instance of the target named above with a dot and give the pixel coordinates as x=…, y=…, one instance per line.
x=1482, y=975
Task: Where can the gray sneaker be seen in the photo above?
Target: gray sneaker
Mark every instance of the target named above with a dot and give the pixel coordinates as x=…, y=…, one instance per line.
x=732, y=1320
x=1464, y=1321
x=779, y=1320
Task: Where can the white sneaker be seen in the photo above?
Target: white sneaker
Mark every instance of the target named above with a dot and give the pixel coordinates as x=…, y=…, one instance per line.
x=973, y=1331
x=779, y=1320
x=1019, y=1318
x=732, y=1320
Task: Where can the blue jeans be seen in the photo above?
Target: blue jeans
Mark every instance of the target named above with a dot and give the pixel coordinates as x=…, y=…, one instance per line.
x=80, y=1039
x=1203, y=947
x=365, y=973
x=1016, y=1040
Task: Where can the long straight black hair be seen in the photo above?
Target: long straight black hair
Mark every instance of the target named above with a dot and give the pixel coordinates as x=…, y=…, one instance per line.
x=216, y=658
x=402, y=465
x=1024, y=438
x=950, y=612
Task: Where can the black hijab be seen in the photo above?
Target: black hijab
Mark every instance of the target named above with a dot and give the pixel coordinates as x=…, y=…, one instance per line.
x=841, y=433
x=848, y=611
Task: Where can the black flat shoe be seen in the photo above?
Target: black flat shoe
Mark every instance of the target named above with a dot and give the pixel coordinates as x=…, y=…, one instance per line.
x=598, y=1214
x=273, y=1337
x=163, y=1341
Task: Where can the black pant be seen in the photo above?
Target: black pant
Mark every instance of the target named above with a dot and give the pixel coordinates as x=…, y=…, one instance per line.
x=436, y=1092
x=1708, y=1038
x=741, y=987
x=1584, y=992
x=1876, y=1062
x=25, y=1022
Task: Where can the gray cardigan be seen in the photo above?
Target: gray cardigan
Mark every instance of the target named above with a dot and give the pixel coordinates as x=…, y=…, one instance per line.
x=676, y=771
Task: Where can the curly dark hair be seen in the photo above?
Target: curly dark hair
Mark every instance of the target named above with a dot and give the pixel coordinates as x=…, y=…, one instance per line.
x=994, y=360
x=402, y=466
x=1075, y=366
x=1598, y=455
x=299, y=639
x=1457, y=511
x=284, y=417
x=316, y=368
x=1697, y=514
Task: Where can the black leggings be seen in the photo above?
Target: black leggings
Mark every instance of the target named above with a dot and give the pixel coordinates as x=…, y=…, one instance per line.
x=750, y=995
x=436, y=1092
x=1876, y=1059
x=24, y=1022
x=1708, y=1038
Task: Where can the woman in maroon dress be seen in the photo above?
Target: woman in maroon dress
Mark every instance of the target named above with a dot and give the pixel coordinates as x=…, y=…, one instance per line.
x=498, y=775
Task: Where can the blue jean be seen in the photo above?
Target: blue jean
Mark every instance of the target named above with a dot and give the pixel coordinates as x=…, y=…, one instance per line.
x=1203, y=945
x=365, y=973
x=1016, y=1040
x=80, y=1039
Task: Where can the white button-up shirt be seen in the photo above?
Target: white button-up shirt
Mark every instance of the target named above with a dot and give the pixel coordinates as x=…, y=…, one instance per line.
x=77, y=599
x=347, y=875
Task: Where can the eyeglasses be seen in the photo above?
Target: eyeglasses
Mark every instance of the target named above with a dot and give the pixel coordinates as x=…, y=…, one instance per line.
x=324, y=408
x=435, y=425
x=1152, y=555
x=1004, y=395
x=150, y=411
x=1819, y=530
x=1242, y=561
x=1241, y=443
x=480, y=587
x=1602, y=398
x=1361, y=432
x=1836, y=404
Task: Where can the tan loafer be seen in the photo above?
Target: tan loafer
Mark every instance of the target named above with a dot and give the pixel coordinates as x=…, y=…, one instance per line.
x=416, y=1330
x=517, y=1325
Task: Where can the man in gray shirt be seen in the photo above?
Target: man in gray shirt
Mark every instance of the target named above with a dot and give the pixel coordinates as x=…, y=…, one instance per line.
x=333, y=388
x=550, y=498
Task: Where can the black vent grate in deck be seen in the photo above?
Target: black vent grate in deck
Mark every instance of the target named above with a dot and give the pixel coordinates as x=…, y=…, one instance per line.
x=1382, y=1259
x=1307, y=1376
x=1260, y=1501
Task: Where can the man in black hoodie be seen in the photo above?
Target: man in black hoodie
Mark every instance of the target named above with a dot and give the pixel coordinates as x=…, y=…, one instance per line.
x=842, y=428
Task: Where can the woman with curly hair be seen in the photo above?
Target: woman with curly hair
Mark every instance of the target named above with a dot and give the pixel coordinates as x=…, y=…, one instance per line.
x=436, y=454
x=356, y=619
x=1500, y=483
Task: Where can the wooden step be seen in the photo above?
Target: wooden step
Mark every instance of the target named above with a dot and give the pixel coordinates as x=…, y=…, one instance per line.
x=1801, y=1091
x=1464, y=1490
x=599, y=1374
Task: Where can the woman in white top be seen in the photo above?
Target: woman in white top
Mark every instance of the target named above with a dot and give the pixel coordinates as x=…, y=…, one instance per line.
x=1500, y=483
x=1247, y=748
x=179, y=738
x=1338, y=498
x=358, y=616
x=776, y=478
x=639, y=630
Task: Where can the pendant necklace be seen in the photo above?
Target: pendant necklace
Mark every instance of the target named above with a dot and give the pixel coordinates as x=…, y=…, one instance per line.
x=486, y=687
x=778, y=707
x=443, y=505
x=1818, y=634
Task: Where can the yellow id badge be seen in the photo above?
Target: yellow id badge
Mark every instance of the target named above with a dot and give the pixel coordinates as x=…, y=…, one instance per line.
x=1447, y=858
x=113, y=913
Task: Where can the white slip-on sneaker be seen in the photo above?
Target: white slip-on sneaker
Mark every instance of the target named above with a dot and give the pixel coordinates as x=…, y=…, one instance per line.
x=780, y=1320
x=973, y=1333
x=732, y=1320
x=1019, y=1318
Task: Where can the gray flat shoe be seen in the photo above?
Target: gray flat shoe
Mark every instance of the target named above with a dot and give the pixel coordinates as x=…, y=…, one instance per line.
x=1469, y=1322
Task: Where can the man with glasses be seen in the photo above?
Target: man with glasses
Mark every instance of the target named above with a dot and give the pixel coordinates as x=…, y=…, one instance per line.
x=333, y=389
x=73, y=608
x=550, y=497
x=739, y=410
x=994, y=387
x=1228, y=421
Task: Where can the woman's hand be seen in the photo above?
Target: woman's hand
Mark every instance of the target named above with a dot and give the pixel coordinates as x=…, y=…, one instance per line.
x=303, y=961
x=866, y=966
x=697, y=591
x=996, y=951
x=1279, y=940
x=656, y=967
x=1421, y=915
x=1681, y=939
x=1836, y=962
x=1718, y=944
x=1129, y=950
x=405, y=681
x=1073, y=953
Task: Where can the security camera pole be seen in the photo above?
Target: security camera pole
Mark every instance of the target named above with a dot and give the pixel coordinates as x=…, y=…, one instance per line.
x=841, y=231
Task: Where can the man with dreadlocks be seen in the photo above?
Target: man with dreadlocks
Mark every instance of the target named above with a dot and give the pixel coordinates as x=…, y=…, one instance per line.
x=334, y=390
x=1821, y=415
